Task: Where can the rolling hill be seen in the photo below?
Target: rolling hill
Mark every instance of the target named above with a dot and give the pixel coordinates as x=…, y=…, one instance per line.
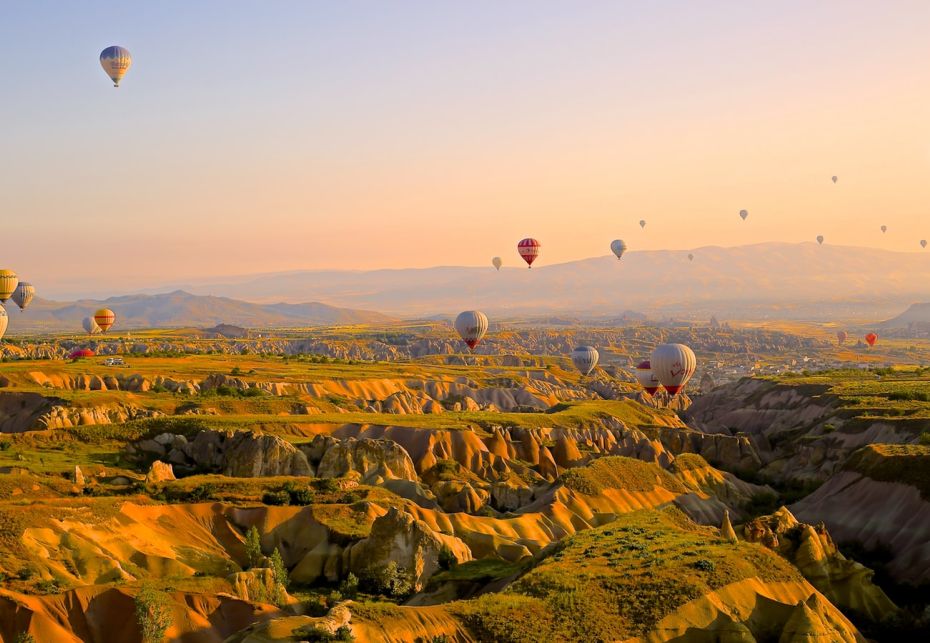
x=179, y=308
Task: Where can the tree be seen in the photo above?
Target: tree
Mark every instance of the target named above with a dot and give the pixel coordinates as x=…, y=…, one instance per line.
x=280, y=571
x=153, y=612
x=253, y=546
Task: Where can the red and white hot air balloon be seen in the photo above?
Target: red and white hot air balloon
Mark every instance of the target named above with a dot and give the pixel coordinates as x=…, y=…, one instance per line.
x=871, y=338
x=529, y=250
x=647, y=378
x=673, y=365
x=471, y=325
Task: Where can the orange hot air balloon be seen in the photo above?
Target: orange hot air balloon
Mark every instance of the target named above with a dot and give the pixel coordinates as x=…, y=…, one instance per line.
x=841, y=337
x=104, y=318
x=871, y=338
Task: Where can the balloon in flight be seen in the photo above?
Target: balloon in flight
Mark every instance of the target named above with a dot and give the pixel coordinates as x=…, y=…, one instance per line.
x=673, y=365
x=618, y=247
x=497, y=262
x=642, y=223
x=115, y=62
x=8, y=282
x=529, y=250
x=871, y=338
x=585, y=359
x=23, y=294
x=104, y=318
x=90, y=326
x=4, y=321
x=743, y=214
x=841, y=337
x=834, y=179
x=647, y=378
x=884, y=229
x=690, y=257
x=923, y=244
x=820, y=239
x=471, y=326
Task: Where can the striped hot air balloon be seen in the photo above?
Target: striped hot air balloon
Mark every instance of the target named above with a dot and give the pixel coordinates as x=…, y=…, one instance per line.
x=8, y=283
x=104, y=318
x=115, y=61
x=529, y=250
x=471, y=326
x=23, y=294
x=673, y=365
x=585, y=359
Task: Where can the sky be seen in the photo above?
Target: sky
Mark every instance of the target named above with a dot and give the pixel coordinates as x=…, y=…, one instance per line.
x=253, y=137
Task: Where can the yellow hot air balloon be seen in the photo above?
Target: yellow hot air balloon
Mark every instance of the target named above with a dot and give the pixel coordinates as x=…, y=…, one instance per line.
x=115, y=62
x=104, y=318
x=497, y=262
x=8, y=283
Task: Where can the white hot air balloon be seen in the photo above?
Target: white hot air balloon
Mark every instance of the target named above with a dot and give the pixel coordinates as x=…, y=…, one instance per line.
x=585, y=359
x=820, y=239
x=23, y=294
x=90, y=326
x=497, y=262
x=646, y=378
x=673, y=365
x=618, y=247
x=743, y=214
x=4, y=321
x=471, y=325
x=642, y=223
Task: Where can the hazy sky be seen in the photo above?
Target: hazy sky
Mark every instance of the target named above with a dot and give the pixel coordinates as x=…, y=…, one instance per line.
x=264, y=136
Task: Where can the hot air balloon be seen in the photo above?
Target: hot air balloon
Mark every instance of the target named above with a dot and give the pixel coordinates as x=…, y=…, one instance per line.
x=529, y=250
x=115, y=62
x=497, y=262
x=4, y=321
x=871, y=338
x=743, y=214
x=642, y=223
x=673, y=365
x=690, y=257
x=841, y=337
x=647, y=378
x=820, y=239
x=471, y=325
x=8, y=282
x=104, y=318
x=884, y=229
x=585, y=359
x=834, y=179
x=618, y=247
x=90, y=326
x=923, y=244
x=80, y=353
x=23, y=294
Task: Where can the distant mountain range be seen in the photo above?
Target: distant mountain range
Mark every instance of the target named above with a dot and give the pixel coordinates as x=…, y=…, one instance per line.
x=182, y=309
x=778, y=280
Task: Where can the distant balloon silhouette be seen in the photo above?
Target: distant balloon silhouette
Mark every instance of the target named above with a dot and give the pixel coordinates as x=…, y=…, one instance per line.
x=871, y=338
x=820, y=239
x=642, y=223
x=690, y=257
x=841, y=337
x=743, y=214
x=884, y=229
x=923, y=243
x=618, y=247
x=497, y=262
x=115, y=61
x=834, y=179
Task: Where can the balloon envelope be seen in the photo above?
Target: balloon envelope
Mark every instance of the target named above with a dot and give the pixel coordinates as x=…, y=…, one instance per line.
x=115, y=62
x=23, y=294
x=871, y=338
x=884, y=228
x=820, y=239
x=618, y=247
x=585, y=359
x=8, y=283
x=90, y=326
x=834, y=179
x=4, y=321
x=104, y=318
x=647, y=378
x=673, y=365
x=923, y=243
x=497, y=262
x=743, y=214
x=642, y=223
x=471, y=326
x=690, y=257
x=841, y=337
x=529, y=250
x=80, y=353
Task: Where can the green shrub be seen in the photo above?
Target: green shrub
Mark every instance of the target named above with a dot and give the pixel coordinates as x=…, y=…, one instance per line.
x=704, y=565
x=447, y=559
x=153, y=612
x=349, y=587
x=279, y=498
x=299, y=495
